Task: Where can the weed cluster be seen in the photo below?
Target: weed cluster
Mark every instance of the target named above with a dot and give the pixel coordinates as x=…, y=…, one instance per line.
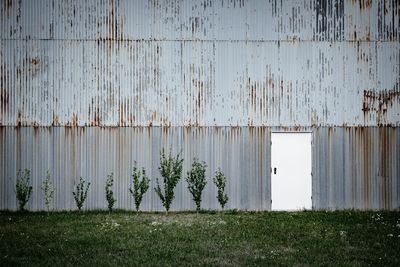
x=170, y=170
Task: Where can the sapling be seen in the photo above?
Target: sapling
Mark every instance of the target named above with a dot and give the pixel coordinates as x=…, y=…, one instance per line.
x=80, y=193
x=171, y=170
x=48, y=191
x=220, y=182
x=196, y=179
x=109, y=191
x=23, y=190
x=140, y=185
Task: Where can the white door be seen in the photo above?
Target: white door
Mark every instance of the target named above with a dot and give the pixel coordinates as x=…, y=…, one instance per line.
x=291, y=171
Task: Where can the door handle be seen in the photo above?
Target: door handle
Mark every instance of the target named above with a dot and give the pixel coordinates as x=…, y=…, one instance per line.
x=275, y=170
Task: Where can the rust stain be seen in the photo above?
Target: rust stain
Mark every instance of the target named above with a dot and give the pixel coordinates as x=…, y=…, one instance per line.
x=271, y=83
x=56, y=121
x=361, y=55
x=365, y=4
x=132, y=120
x=165, y=130
x=295, y=39
x=4, y=98
x=121, y=115
x=368, y=37
x=18, y=147
x=379, y=102
x=74, y=121
x=366, y=165
x=252, y=92
x=296, y=128
x=34, y=67
x=94, y=113
x=199, y=101
x=7, y=5
x=354, y=35
x=35, y=61
x=19, y=118
x=96, y=118
x=383, y=167
x=195, y=22
x=112, y=24
x=152, y=118
x=165, y=122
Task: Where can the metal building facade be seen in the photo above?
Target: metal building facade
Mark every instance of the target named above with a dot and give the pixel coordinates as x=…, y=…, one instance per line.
x=89, y=87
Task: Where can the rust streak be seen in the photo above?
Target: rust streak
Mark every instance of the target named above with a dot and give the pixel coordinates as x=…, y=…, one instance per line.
x=7, y=5
x=19, y=118
x=56, y=120
x=378, y=102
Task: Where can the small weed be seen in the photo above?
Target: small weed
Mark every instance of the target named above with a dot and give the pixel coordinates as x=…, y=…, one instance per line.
x=23, y=189
x=220, y=182
x=109, y=191
x=196, y=179
x=171, y=171
x=81, y=192
x=140, y=185
x=48, y=190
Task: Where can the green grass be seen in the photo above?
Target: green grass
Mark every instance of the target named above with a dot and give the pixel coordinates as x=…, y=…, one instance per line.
x=345, y=238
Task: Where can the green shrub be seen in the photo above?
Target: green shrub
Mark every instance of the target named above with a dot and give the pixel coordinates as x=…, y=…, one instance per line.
x=220, y=182
x=171, y=170
x=109, y=191
x=196, y=179
x=140, y=185
x=48, y=190
x=23, y=190
x=80, y=193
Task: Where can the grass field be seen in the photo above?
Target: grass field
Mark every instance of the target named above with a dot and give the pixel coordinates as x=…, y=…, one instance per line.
x=345, y=238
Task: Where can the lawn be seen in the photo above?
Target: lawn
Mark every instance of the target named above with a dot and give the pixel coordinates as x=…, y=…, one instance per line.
x=346, y=238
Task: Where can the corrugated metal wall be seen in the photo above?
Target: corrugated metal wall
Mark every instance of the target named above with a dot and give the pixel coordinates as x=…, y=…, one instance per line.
x=93, y=152
x=356, y=167
x=218, y=76
x=202, y=63
x=353, y=167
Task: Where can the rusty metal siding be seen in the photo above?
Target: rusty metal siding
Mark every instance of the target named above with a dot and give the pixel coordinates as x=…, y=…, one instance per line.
x=159, y=83
x=356, y=168
x=93, y=152
x=218, y=76
x=306, y=20
x=353, y=167
x=201, y=63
